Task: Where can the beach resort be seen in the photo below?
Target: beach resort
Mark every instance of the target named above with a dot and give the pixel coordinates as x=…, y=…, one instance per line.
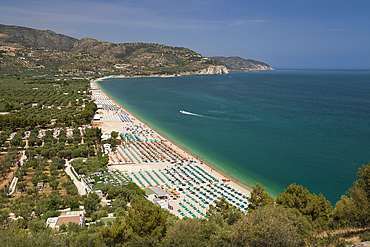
x=171, y=177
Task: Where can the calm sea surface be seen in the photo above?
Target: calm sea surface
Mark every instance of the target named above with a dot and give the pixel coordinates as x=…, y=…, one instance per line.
x=311, y=127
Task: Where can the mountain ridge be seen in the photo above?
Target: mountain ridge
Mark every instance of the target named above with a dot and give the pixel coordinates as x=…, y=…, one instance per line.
x=32, y=48
x=241, y=64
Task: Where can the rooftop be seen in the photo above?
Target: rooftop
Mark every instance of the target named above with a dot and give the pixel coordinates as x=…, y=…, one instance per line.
x=68, y=219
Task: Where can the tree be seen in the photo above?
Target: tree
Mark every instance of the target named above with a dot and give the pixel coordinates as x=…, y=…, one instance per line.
x=54, y=201
x=270, y=226
x=37, y=225
x=91, y=203
x=41, y=207
x=356, y=208
x=60, y=163
x=99, y=214
x=73, y=202
x=76, y=153
x=45, y=178
x=22, y=185
x=226, y=210
x=114, y=134
x=186, y=233
x=34, y=192
x=119, y=202
x=315, y=208
x=8, y=106
x=4, y=215
x=119, y=212
x=54, y=184
x=119, y=233
x=148, y=241
x=146, y=219
x=22, y=209
x=4, y=195
x=259, y=198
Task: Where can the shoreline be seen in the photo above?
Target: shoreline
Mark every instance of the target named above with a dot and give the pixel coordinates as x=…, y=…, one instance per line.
x=220, y=174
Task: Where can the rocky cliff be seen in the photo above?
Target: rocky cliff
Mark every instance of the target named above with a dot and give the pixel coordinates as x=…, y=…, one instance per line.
x=213, y=70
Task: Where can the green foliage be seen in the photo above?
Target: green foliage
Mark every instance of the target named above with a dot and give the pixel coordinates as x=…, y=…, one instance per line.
x=15, y=237
x=119, y=202
x=72, y=202
x=114, y=134
x=50, y=214
x=91, y=203
x=259, y=198
x=54, y=184
x=112, y=141
x=356, y=208
x=226, y=210
x=128, y=193
x=22, y=208
x=60, y=163
x=4, y=215
x=90, y=165
x=119, y=212
x=365, y=236
x=70, y=187
x=186, y=233
x=271, y=226
x=54, y=202
x=98, y=215
x=315, y=208
x=147, y=241
x=41, y=207
x=119, y=233
x=146, y=219
x=21, y=96
x=37, y=225
x=329, y=240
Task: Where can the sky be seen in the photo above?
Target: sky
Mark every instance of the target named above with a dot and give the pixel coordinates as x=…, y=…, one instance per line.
x=286, y=34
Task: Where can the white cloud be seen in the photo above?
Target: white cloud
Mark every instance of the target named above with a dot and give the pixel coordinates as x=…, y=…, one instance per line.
x=42, y=14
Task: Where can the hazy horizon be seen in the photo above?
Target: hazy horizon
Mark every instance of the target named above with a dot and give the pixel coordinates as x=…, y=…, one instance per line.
x=286, y=34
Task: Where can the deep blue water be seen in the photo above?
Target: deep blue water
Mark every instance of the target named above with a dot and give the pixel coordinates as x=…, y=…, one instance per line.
x=311, y=127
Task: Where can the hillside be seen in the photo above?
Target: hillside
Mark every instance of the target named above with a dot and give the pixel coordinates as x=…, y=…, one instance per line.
x=28, y=48
x=238, y=63
x=22, y=37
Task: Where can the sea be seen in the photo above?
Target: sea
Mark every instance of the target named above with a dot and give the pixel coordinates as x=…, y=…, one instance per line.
x=309, y=127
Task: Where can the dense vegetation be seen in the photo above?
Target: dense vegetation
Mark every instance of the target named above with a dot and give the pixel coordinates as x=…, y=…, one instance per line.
x=296, y=218
x=33, y=102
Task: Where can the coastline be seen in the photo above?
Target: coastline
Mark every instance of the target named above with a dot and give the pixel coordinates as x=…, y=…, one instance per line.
x=209, y=167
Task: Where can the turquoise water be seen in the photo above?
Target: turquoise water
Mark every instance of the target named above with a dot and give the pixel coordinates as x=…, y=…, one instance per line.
x=311, y=127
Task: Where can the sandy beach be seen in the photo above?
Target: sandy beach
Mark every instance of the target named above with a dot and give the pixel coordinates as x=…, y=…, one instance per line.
x=110, y=121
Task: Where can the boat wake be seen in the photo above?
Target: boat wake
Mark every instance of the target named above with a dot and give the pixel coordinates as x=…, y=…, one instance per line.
x=232, y=117
x=190, y=113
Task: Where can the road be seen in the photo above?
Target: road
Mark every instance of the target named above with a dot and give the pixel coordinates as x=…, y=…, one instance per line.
x=15, y=179
x=80, y=187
